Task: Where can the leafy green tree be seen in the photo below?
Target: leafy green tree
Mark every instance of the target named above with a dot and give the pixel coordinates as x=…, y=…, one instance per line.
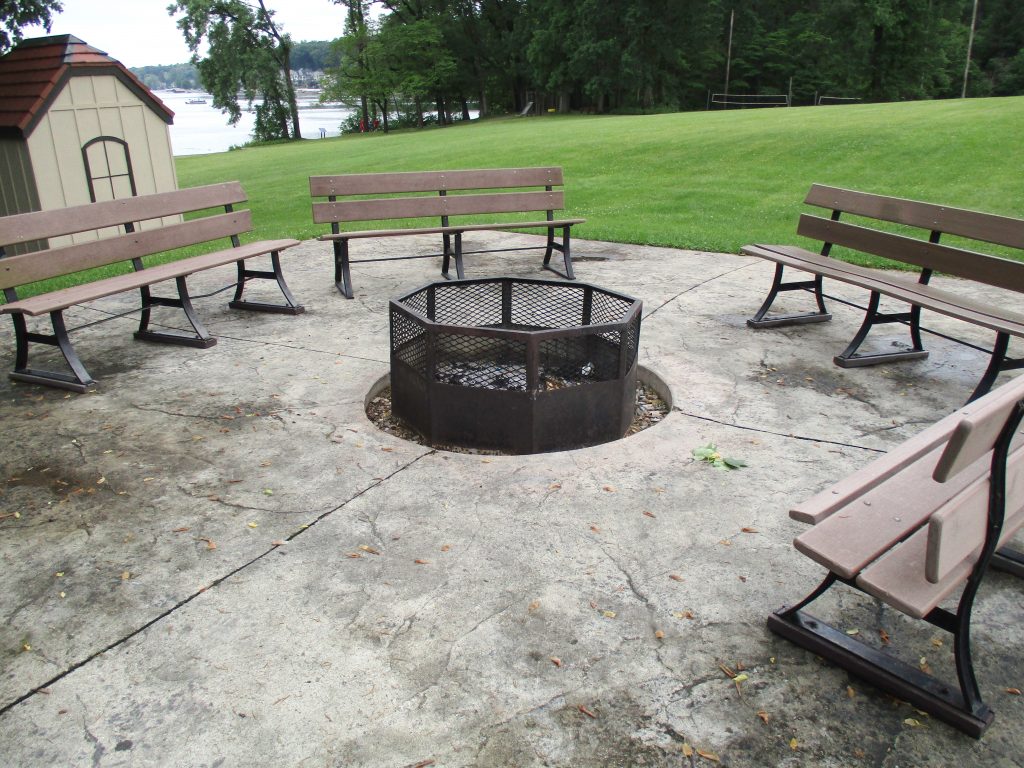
x=15, y=14
x=248, y=54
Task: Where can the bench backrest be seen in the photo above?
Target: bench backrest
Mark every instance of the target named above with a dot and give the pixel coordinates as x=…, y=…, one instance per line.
x=936, y=220
x=426, y=194
x=133, y=241
x=957, y=530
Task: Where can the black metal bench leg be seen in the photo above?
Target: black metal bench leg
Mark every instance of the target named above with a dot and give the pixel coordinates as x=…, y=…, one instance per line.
x=872, y=317
x=962, y=709
x=201, y=338
x=564, y=248
x=342, y=271
x=995, y=366
x=290, y=307
x=761, y=319
x=78, y=381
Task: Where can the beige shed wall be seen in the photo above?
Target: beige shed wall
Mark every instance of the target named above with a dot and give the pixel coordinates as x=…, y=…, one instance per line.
x=87, y=107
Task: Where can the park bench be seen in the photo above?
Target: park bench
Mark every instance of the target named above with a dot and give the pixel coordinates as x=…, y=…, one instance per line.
x=929, y=255
x=425, y=195
x=911, y=528
x=129, y=230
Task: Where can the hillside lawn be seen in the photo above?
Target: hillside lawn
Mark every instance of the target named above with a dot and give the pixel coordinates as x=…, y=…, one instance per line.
x=710, y=181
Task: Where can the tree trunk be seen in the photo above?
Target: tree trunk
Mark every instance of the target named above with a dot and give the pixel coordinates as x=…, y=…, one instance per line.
x=465, y=110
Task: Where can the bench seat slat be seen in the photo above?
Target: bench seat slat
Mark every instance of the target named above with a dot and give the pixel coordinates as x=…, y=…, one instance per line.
x=976, y=225
x=898, y=578
x=432, y=181
x=30, y=267
x=971, y=265
x=449, y=205
x=67, y=297
x=873, y=522
x=39, y=225
x=447, y=230
x=929, y=297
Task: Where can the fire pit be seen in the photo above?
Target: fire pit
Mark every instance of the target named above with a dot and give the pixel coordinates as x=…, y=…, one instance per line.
x=513, y=364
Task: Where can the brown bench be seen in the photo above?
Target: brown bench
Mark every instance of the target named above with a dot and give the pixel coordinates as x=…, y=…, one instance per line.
x=425, y=195
x=962, y=260
x=130, y=230
x=912, y=528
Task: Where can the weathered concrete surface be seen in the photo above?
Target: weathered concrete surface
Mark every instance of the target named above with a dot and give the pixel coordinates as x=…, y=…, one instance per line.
x=181, y=586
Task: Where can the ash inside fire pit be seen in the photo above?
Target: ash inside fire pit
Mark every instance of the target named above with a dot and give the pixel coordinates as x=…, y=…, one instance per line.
x=514, y=365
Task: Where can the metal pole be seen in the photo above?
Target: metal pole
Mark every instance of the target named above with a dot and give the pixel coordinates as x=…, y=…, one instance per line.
x=728, y=58
x=970, y=44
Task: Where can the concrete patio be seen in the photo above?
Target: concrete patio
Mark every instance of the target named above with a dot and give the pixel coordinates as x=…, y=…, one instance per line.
x=215, y=559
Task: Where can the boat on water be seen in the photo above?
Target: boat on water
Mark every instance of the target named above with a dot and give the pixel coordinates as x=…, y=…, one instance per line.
x=195, y=101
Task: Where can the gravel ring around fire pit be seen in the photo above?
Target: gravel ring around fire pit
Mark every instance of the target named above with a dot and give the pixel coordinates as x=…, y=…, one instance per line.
x=650, y=410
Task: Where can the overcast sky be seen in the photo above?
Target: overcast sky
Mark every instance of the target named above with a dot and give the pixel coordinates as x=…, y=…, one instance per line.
x=139, y=33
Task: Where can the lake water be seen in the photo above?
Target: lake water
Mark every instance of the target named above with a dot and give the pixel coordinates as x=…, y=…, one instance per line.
x=200, y=129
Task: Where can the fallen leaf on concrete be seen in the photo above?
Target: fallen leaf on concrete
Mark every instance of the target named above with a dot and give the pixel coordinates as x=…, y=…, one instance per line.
x=1013, y=691
x=210, y=544
x=586, y=712
x=445, y=547
x=367, y=548
x=687, y=750
x=180, y=530
x=763, y=715
x=252, y=524
x=683, y=614
x=125, y=575
x=595, y=529
x=675, y=577
x=533, y=606
x=352, y=554
x=912, y=722
x=418, y=561
x=422, y=764
x=746, y=529
x=554, y=486
x=727, y=671
x=883, y=636
x=608, y=614
x=277, y=543
x=609, y=488
x=649, y=514
x=725, y=543
x=850, y=692
x=556, y=661
x=659, y=634
x=923, y=664
x=794, y=744
x=709, y=756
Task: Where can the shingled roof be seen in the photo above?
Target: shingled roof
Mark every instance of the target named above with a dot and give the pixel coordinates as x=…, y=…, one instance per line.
x=33, y=74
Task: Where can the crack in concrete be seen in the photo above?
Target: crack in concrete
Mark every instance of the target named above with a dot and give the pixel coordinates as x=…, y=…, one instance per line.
x=789, y=435
x=212, y=585
x=693, y=287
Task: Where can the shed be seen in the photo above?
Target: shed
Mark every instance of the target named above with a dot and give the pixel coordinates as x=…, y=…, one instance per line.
x=76, y=126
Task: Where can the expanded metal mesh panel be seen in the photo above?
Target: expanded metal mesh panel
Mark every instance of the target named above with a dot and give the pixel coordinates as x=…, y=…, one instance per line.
x=608, y=308
x=417, y=302
x=409, y=342
x=546, y=306
x=569, y=362
x=632, y=340
x=476, y=304
x=480, y=361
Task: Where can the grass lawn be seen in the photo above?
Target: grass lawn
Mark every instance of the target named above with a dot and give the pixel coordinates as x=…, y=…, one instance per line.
x=702, y=180
x=711, y=181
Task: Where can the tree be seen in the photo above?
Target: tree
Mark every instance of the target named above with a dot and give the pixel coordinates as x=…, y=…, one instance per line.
x=15, y=14
x=247, y=54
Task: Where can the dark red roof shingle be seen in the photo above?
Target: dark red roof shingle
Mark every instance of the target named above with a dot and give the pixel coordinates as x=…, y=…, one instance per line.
x=32, y=74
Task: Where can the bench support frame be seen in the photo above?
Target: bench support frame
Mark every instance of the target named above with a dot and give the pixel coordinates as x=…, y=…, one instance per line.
x=78, y=380
x=849, y=358
x=290, y=307
x=964, y=709
x=761, y=319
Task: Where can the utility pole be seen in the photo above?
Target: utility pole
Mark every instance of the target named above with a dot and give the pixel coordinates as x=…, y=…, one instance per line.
x=970, y=44
x=728, y=56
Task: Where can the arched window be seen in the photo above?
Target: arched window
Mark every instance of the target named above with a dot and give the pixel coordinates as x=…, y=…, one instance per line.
x=108, y=167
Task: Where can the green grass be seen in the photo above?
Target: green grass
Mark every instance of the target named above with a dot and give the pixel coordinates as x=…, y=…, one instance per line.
x=703, y=180
x=711, y=181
